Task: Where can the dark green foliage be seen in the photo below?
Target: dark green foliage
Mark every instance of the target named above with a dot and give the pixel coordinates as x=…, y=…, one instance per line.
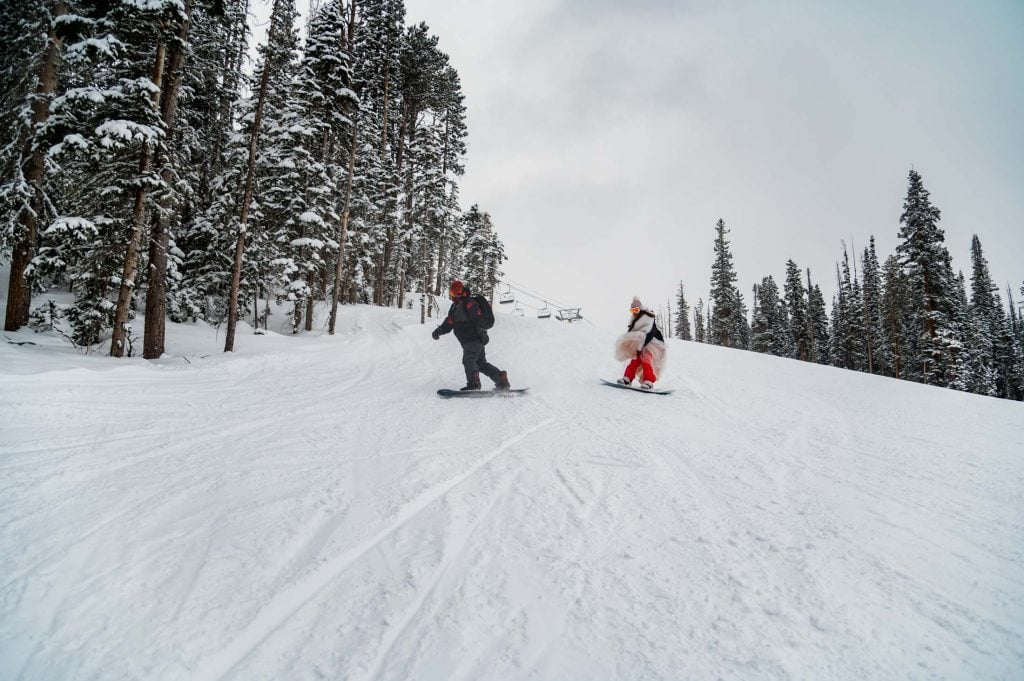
x=799, y=320
x=725, y=299
x=682, y=328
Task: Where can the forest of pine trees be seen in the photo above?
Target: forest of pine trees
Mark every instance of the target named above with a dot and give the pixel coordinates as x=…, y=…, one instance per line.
x=909, y=318
x=144, y=165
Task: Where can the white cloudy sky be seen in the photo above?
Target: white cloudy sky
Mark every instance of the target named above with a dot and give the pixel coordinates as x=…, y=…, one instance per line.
x=606, y=138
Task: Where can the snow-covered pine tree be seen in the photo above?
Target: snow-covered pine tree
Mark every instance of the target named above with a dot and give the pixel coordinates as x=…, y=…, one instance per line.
x=769, y=328
x=451, y=113
x=423, y=67
x=428, y=216
x=157, y=28
x=698, y=322
x=108, y=129
x=724, y=294
x=208, y=198
x=993, y=330
x=796, y=303
x=484, y=252
x=682, y=330
x=307, y=137
x=741, y=325
x=848, y=335
x=924, y=256
x=840, y=323
x=272, y=76
x=31, y=41
x=894, y=316
x=876, y=355
x=975, y=371
x=166, y=210
x=378, y=43
x=758, y=323
x=1016, y=381
x=347, y=120
x=817, y=319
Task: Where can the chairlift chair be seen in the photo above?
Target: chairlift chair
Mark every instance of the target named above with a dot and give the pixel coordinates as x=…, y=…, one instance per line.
x=519, y=310
x=506, y=297
x=544, y=312
x=570, y=314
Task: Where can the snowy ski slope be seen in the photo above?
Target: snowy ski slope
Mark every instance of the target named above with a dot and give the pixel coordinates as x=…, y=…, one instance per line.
x=308, y=509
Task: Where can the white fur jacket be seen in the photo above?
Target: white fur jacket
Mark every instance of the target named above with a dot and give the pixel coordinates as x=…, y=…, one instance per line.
x=639, y=338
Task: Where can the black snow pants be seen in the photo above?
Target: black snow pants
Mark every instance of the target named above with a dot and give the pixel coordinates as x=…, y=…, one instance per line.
x=474, y=359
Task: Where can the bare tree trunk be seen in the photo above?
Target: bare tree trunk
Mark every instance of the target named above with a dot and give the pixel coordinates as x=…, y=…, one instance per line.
x=250, y=176
x=159, y=238
x=131, y=258
x=19, y=290
x=310, y=301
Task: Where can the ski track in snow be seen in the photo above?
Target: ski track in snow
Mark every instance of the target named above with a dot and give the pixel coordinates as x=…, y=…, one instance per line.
x=307, y=508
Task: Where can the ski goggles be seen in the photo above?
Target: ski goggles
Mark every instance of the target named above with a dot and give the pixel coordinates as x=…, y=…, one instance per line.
x=634, y=310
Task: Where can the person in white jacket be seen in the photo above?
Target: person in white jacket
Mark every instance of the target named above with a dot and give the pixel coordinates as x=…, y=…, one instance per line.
x=642, y=345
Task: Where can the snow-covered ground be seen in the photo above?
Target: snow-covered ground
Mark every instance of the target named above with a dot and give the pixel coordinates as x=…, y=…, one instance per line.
x=308, y=508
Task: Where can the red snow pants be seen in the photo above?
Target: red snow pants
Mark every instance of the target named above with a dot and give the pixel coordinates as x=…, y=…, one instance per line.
x=642, y=359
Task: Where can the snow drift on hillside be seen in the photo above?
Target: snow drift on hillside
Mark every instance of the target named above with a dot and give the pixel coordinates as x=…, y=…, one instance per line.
x=307, y=508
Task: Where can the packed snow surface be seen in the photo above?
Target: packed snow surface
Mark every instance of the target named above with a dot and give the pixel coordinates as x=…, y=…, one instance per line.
x=308, y=508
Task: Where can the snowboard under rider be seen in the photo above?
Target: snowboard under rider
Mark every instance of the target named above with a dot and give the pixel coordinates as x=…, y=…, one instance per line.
x=642, y=345
x=470, y=317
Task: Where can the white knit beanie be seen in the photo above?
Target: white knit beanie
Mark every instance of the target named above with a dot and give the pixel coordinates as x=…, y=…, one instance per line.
x=636, y=302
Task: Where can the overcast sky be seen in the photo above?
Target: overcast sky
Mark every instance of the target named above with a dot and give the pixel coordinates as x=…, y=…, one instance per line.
x=607, y=138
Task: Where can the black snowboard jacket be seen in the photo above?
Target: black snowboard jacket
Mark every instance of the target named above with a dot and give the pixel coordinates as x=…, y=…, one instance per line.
x=465, y=318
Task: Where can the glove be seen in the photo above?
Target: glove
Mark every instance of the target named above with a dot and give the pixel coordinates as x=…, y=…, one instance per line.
x=434, y=334
x=483, y=336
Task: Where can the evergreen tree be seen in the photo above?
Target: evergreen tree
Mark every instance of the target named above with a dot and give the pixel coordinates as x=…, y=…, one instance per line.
x=272, y=75
x=796, y=302
x=484, y=252
x=930, y=289
x=682, y=330
x=724, y=295
x=30, y=55
x=847, y=328
x=740, y=325
x=758, y=324
x=993, y=329
x=894, y=317
x=769, y=329
x=698, y=322
x=210, y=165
x=975, y=371
x=817, y=319
x=876, y=357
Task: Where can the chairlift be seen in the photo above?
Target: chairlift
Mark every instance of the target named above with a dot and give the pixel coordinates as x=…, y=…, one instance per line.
x=518, y=310
x=569, y=314
x=506, y=296
x=544, y=312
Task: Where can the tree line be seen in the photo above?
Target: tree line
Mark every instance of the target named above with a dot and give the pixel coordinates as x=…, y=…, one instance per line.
x=909, y=317
x=144, y=165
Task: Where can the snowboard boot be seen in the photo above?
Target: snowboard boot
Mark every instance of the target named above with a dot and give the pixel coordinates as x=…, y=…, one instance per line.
x=623, y=381
x=502, y=382
x=646, y=385
x=472, y=381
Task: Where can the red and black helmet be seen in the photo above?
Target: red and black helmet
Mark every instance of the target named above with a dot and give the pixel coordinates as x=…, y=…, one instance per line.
x=457, y=289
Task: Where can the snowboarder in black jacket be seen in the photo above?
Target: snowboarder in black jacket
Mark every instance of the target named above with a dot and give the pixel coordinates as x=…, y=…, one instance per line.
x=470, y=317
